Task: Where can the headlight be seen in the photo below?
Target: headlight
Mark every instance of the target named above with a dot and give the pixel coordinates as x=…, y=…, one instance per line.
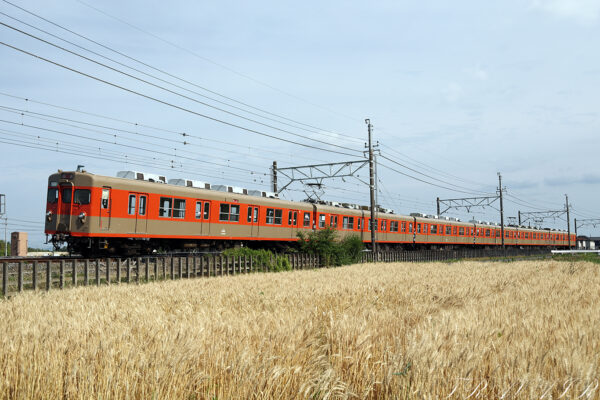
x=82, y=217
x=49, y=216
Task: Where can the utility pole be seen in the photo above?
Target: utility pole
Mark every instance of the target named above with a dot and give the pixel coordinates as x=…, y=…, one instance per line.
x=519, y=218
x=274, y=176
x=3, y=214
x=568, y=220
x=501, y=209
x=372, y=190
x=576, y=241
x=438, y=207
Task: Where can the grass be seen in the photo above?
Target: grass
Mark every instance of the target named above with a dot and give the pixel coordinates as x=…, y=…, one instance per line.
x=591, y=257
x=402, y=330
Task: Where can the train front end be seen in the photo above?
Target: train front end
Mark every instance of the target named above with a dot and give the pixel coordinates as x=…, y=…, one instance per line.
x=69, y=210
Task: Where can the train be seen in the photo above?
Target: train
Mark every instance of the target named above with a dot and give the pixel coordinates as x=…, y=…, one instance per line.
x=137, y=213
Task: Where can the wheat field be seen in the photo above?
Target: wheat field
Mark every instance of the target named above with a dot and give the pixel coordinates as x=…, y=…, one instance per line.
x=403, y=330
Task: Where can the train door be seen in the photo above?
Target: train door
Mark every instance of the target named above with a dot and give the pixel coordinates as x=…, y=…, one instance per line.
x=293, y=222
x=252, y=219
x=105, y=205
x=66, y=204
x=138, y=207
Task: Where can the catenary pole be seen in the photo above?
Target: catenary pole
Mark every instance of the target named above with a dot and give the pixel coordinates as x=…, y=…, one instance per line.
x=501, y=209
x=372, y=190
x=568, y=220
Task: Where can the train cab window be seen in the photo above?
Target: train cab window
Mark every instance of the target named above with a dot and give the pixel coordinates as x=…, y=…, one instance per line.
x=434, y=229
x=52, y=195
x=164, y=209
x=131, y=202
x=461, y=231
x=448, y=230
x=198, y=210
x=410, y=226
x=105, y=195
x=321, y=220
x=66, y=195
x=249, y=219
x=142, y=206
x=179, y=208
x=81, y=196
x=306, y=219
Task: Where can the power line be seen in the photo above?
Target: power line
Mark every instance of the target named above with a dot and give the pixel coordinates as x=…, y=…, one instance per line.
x=170, y=104
x=175, y=92
x=215, y=63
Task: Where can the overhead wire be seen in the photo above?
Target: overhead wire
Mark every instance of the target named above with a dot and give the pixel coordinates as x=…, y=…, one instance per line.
x=313, y=129
x=215, y=63
x=177, y=93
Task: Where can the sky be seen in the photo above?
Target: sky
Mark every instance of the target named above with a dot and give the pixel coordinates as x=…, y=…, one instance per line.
x=456, y=92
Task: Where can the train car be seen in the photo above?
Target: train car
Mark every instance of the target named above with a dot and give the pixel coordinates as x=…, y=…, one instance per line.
x=96, y=214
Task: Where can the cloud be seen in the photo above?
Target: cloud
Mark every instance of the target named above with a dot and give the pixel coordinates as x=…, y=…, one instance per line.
x=586, y=179
x=585, y=11
x=453, y=92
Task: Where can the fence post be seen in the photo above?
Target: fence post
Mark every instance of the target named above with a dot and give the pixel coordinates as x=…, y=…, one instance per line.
x=128, y=271
x=147, y=269
x=221, y=263
x=73, y=273
x=48, y=275
x=108, y=271
x=156, y=269
x=62, y=274
x=172, y=267
x=86, y=277
x=118, y=270
x=34, y=275
x=20, y=276
x=97, y=272
x=4, y=279
x=138, y=261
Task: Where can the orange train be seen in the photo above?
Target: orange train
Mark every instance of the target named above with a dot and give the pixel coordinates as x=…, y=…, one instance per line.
x=96, y=214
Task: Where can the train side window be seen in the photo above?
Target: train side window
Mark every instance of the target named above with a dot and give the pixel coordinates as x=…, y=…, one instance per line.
x=335, y=221
x=66, y=195
x=290, y=214
x=295, y=221
x=165, y=207
x=454, y=230
x=142, y=206
x=270, y=215
x=306, y=219
x=52, y=195
x=461, y=231
x=487, y=233
x=234, y=215
x=321, y=220
x=448, y=230
x=410, y=227
x=198, y=209
x=383, y=225
x=433, y=229
x=131, y=210
x=206, y=210
x=224, y=212
x=178, y=208
x=345, y=222
x=403, y=226
x=278, y=216
x=425, y=228
x=255, y=214
x=359, y=223
x=249, y=218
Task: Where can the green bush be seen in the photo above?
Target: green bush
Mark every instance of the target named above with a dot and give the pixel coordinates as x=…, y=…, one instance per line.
x=330, y=250
x=262, y=259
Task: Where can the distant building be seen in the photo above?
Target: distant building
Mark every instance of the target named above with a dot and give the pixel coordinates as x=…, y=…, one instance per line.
x=588, y=243
x=18, y=244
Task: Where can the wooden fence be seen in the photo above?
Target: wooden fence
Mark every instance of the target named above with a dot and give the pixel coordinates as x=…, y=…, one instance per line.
x=30, y=274
x=45, y=274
